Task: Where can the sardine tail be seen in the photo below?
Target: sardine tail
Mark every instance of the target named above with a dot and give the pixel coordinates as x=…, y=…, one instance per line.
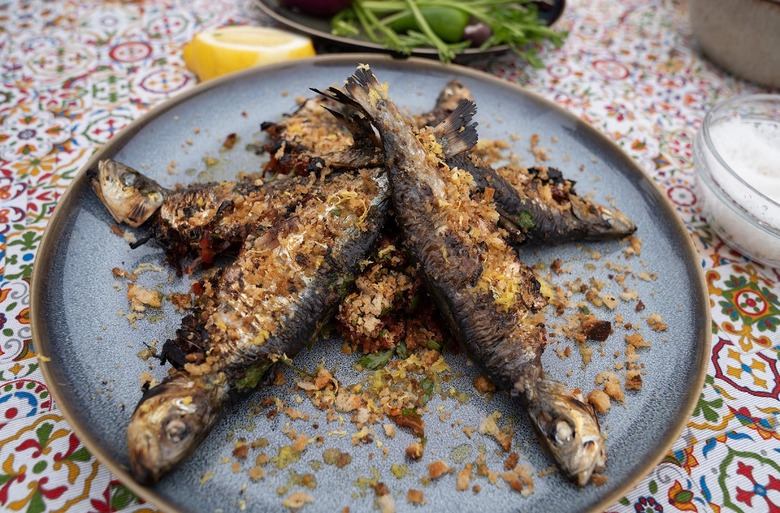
x=457, y=133
x=363, y=77
x=337, y=95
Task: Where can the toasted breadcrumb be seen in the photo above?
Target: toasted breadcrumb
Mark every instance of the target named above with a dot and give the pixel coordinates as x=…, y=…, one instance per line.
x=414, y=451
x=140, y=298
x=483, y=385
x=599, y=400
x=637, y=340
x=437, y=469
x=298, y=500
x=634, y=248
x=633, y=380
x=596, y=329
x=464, y=478
x=614, y=391
x=656, y=323
x=489, y=426
x=520, y=480
x=415, y=496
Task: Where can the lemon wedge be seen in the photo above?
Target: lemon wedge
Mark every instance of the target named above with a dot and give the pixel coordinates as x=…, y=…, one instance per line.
x=220, y=51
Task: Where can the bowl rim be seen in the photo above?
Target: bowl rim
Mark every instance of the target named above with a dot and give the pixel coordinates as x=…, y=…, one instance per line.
x=703, y=140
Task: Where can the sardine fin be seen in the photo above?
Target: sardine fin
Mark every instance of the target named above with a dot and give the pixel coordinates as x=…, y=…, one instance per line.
x=457, y=133
x=358, y=125
x=337, y=95
x=358, y=85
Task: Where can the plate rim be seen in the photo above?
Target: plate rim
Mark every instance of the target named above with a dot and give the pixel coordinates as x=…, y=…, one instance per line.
x=44, y=256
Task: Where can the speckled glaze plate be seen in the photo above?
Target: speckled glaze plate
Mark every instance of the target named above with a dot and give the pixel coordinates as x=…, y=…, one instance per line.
x=319, y=28
x=94, y=368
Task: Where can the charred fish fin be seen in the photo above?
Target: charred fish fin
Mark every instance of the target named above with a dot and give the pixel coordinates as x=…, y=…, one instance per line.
x=453, y=91
x=359, y=126
x=140, y=242
x=363, y=78
x=457, y=133
x=362, y=130
x=338, y=115
x=337, y=95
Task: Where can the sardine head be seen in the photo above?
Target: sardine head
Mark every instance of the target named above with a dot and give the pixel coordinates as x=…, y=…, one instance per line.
x=569, y=429
x=128, y=195
x=169, y=422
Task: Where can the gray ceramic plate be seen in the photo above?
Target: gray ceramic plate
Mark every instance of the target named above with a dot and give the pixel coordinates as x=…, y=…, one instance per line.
x=94, y=371
x=549, y=12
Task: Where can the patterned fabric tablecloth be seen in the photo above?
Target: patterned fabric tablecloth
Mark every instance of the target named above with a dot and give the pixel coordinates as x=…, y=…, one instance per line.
x=76, y=72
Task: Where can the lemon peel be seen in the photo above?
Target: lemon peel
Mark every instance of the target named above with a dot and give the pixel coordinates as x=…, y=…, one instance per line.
x=216, y=52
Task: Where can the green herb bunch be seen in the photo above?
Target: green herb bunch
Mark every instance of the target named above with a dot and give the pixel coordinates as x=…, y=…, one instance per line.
x=403, y=25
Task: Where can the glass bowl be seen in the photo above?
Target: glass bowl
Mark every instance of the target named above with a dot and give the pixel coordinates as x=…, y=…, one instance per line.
x=737, y=160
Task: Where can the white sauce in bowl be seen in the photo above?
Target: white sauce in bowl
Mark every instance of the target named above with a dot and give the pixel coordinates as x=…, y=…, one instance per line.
x=752, y=149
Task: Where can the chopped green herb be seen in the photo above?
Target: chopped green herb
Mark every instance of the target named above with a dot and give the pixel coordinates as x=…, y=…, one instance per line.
x=253, y=375
x=428, y=386
x=525, y=220
x=432, y=344
x=375, y=360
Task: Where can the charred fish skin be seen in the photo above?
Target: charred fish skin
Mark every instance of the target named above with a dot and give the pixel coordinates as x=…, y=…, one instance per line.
x=206, y=219
x=537, y=205
x=201, y=220
x=320, y=134
x=550, y=211
x=490, y=299
x=263, y=308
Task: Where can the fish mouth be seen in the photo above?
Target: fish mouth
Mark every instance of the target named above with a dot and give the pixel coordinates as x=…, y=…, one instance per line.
x=569, y=429
x=594, y=460
x=144, y=455
x=601, y=222
x=129, y=196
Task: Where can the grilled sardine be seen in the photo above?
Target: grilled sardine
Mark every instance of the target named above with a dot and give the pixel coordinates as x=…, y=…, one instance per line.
x=536, y=205
x=319, y=134
x=265, y=306
x=202, y=219
x=490, y=299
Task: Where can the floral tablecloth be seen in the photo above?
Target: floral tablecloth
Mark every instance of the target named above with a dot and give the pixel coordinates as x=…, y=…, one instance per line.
x=76, y=72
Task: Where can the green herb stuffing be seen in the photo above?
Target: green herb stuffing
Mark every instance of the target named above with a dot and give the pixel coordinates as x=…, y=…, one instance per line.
x=253, y=375
x=525, y=221
x=375, y=360
x=428, y=386
x=402, y=25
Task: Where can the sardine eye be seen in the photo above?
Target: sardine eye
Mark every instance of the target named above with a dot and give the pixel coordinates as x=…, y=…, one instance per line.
x=176, y=430
x=563, y=432
x=129, y=179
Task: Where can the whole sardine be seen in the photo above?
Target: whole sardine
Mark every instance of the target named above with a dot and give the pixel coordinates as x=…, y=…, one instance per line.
x=202, y=219
x=490, y=299
x=539, y=205
x=264, y=307
x=536, y=204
